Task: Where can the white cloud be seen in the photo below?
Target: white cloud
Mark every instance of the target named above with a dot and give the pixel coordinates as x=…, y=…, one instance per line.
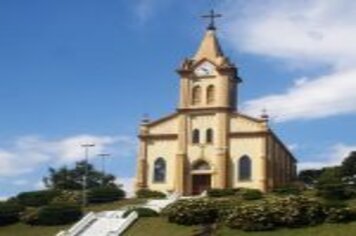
x=304, y=33
x=146, y=9
x=314, y=30
x=30, y=152
x=313, y=98
x=334, y=156
x=128, y=185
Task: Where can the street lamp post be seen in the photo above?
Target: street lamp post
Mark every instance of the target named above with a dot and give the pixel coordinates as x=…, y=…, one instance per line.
x=86, y=147
x=103, y=156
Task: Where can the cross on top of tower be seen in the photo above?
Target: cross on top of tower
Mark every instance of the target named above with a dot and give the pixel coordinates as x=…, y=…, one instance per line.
x=212, y=15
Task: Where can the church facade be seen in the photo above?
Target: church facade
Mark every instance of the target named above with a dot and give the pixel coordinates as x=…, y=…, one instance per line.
x=206, y=143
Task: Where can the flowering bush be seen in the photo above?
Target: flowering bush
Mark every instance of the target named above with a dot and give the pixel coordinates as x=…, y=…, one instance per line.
x=296, y=211
x=251, y=218
x=280, y=212
x=339, y=215
x=192, y=212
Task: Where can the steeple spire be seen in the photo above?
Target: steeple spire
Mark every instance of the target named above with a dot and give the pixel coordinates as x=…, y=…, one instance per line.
x=212, y=15
x=210, y=47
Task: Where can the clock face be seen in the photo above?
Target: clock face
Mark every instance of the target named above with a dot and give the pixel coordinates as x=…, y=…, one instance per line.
x=204, y=69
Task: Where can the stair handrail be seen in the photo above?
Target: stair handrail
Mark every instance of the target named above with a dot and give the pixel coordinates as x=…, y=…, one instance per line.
x=79, y=226
x=127, y=222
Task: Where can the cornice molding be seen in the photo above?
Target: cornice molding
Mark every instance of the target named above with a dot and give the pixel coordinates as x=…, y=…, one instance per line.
x=158, y=136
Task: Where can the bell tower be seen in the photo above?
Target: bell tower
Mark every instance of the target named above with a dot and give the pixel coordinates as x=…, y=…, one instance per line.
x=208, y=80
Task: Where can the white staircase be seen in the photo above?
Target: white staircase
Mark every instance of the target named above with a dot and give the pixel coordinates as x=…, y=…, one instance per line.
x=109, y=223
x=112, y=223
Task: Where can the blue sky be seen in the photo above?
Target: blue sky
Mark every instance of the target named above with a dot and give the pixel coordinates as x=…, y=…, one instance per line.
x=87, y=70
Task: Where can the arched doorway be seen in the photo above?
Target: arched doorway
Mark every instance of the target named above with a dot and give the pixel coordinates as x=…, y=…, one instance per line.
x=201, y=177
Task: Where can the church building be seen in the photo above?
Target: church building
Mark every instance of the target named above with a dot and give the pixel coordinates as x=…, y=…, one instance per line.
x=207, y=143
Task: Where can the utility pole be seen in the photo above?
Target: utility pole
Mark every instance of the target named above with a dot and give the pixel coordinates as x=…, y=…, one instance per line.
x=103, y=156
x=86, y=147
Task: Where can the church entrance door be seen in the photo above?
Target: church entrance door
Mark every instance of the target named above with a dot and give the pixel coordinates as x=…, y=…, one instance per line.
x=201, y=182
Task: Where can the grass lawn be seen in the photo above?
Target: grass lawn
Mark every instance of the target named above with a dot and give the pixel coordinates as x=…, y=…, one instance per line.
x=25, y=230
x=159, y=227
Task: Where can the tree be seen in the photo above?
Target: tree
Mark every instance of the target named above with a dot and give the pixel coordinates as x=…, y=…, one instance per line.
x=64, y=178
x=310, y=177
x=348, y=166
x=330, y=175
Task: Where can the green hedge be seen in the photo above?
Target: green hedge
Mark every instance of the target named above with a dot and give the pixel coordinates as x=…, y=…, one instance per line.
x=296, y=211
x=9, y=213
x=215, y=193
x=146, y=193
x=289, y=212
x=288, y=190
x=36, y=198
x=251, y=194
x=105, y=194
x=192, y=212
x=340, y=215
x=58, y=214
x=251, y=218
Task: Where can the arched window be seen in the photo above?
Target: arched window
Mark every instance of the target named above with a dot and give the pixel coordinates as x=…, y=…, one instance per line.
x=209, y=136
x=159, y=174
x=210, y=94
x=201, y=165
x=196, y=136
x=245, y=168
x=196, y=95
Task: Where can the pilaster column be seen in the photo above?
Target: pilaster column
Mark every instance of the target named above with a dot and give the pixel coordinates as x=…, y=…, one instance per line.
x=265, y=162
x=222, y=150
x=181, y=156
x=141, y=175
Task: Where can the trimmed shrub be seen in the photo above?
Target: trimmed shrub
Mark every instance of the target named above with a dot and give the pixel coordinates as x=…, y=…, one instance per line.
x=251, y=218
x=281, y=212
x=221, y=192
x=36, y=198
x=57, y=214
x=339, y=215
x=105, y=194
x=296, y=211
x=192, y=212
x=251, y=194
x=142, y=212
x=146, y=193
x=9, y=213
